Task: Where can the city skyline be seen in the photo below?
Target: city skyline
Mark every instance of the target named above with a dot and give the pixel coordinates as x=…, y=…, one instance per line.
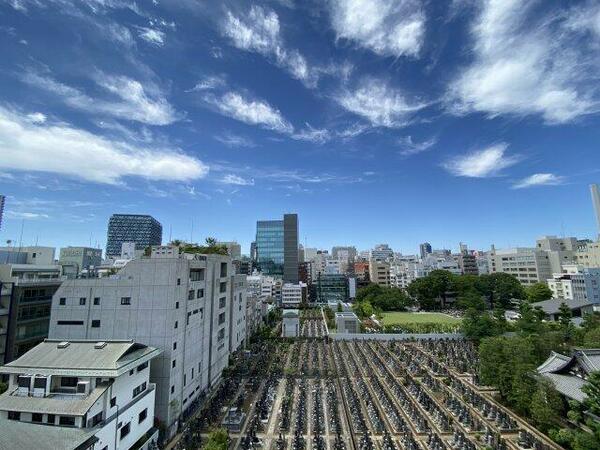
x=428, y=123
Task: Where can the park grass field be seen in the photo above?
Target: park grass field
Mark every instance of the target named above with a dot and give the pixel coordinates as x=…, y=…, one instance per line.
x=400, y=318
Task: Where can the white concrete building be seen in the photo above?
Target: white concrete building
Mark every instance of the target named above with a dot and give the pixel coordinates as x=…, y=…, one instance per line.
x=38, y=255
x=381, y=252
x=79, y=395
x=179, y=303
x=290, y=325
x=576, y=283
x=291, y=295
x=560, y=251
x=589, y=256
x=528, y=265
x=347, y=322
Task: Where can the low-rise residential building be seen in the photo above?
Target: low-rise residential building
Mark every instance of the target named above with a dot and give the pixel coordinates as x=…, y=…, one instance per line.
x=80, y=394
x=467, y=263
x=379, y=272
x=75, y=259
x=576, y=283
x=178, y=302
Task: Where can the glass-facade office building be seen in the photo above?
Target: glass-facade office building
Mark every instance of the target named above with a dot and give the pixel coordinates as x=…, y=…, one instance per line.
x=277, y=247
x=144, y=230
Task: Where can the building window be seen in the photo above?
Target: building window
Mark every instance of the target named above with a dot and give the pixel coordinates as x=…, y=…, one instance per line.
x=142, y=366
x=176, y=305
x=69, y=381
x=184, y=379
x=173, y=363
x=125, y=300
x=69, y=322
x=14, y=415
x=37, y=417
x=97, y=419
x=223, y=287
x=51, y=419
x=131, y=372
x=113, y=402
x=221, y=318
x=178, y=281
x=62, y=301
x=200, y=293
x=176, y=324
x=222, y=302
x=82, y=301
x=95, y=324
x=174, y=345
x=172, y=389
x=142, y=416
x=196, y=274
x=96, y=301
x=125, y=430
x=139, y=389
x=191, y=295
x=68, y=421
x=223, y=269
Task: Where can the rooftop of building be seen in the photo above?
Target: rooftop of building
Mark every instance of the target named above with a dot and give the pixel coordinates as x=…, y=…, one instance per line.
x=552, y=306
x=24, y=435
x=82, y=358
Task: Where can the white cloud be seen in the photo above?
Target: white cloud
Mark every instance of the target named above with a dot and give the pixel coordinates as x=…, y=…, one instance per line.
x=25, y=215
x=386, y=27
x=236, y=180
x=208, y=83
x=259, y=31
x=73, y=152
x=37, y=117
x=482, y=163
x=234, y=140
x=310, y=134
x=539, y=179
x=409, y=147
x=253, y=112
x=152, y=36
x=379, y=103
x=130, y=99
x=530, y=63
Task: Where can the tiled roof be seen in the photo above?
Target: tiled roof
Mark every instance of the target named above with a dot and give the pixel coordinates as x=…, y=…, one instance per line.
x=23, y=435
x=81, y=358
x=568, y=385
x=70, y=405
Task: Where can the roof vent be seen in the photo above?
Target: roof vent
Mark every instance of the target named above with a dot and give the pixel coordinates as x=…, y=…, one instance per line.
x=99, y=345
x=63, y=344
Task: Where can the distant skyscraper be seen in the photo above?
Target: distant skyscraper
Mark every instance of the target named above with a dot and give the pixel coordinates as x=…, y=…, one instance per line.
x=1, y=209
x=277, y=247
x=424, y=249
x=596, y=202
x=142, y=229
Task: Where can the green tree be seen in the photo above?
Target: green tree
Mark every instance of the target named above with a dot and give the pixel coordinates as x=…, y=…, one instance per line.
x=592, y=338
x=217, y=440
x=471, y=299
x=478, y=324
x=592, y=390
x=339, y=307
x=546, y=407
x=538, y=292
x=504, y=288
x=3, y=387
x=529, y=322
x=564, y=319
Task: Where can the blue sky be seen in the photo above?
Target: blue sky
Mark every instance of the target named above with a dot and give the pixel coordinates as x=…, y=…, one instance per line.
x=395, y=121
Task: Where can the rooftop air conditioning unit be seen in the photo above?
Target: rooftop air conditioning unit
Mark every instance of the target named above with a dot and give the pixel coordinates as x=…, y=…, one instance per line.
x=63, y=344
x=24, y=383
x=99, y=345
x=83, y=387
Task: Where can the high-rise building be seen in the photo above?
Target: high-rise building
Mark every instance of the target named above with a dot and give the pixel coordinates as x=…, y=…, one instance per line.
x=277, y=247
x=2, y=200
x=528, y=265
x=144, y=230
x=179, y=303
x=379, y=272
x=382, y=252
x=424, y=249
x=596, y=202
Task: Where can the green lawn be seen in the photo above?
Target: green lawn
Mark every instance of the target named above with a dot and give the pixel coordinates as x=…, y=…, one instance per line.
x=398, y=318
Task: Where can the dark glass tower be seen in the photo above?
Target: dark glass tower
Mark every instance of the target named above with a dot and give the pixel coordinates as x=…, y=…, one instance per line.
x=141, y=229
x=277, y=247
